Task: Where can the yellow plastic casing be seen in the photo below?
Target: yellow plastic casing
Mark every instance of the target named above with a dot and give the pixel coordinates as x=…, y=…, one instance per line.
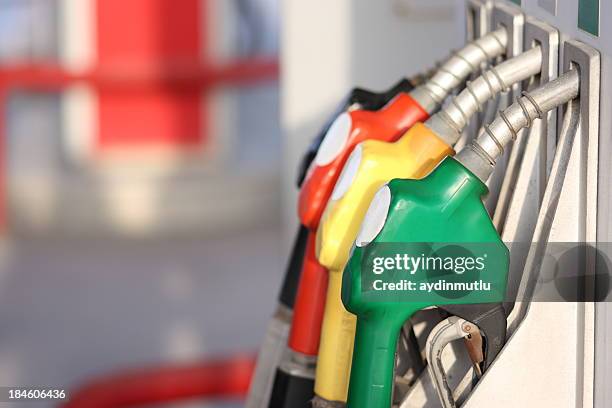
x=372, y=164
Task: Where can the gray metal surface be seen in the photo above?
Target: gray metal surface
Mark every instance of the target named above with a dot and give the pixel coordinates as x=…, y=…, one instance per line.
x=519, y=203
x=478, y=17
x=477, y=12
x=547, y=37
x=510, y=16
x=559, y=359
x=585, y=114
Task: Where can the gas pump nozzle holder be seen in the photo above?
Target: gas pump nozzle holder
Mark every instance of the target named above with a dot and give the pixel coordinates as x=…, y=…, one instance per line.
x=374, y=163
x=446, y=206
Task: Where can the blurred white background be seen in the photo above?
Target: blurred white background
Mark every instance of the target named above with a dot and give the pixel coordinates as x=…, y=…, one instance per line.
x=119, y=256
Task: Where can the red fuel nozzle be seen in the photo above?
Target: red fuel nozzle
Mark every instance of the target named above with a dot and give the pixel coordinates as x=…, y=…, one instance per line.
x=346, y=132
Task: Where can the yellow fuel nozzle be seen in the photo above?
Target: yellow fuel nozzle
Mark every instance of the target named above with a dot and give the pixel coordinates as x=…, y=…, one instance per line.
x=371, y=165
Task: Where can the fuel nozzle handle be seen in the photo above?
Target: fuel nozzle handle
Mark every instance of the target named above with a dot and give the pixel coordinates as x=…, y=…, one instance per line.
x=453, y=72
x=481, y=155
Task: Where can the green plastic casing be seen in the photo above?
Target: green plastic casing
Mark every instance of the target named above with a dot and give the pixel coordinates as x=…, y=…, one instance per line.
x=444, y=207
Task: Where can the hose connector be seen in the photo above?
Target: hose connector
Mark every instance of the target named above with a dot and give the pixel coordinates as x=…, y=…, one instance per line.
x=481, y=155
x=454, y=117
x=454, y=71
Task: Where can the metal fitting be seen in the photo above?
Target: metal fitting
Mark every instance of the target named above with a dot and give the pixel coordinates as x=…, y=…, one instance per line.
x=298, y=364
x=453, y=118
x=446, y=331
x=453, y=72
x=480, y=156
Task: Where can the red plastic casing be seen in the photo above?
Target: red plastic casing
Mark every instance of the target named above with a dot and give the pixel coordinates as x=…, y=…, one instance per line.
x=386, y=124
x=309, y=303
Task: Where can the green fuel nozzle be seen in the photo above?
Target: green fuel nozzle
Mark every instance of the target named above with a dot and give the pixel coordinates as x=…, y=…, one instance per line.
x=426, y=219
x=411, y=224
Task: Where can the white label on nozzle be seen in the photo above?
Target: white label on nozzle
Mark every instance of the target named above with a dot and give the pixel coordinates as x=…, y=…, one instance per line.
x=348, y=173
x=334, y=140
x=375, y=217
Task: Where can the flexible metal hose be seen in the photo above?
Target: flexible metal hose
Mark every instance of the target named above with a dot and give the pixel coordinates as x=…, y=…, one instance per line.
x=480, y=156
x=454, y=117
x=454, y=71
